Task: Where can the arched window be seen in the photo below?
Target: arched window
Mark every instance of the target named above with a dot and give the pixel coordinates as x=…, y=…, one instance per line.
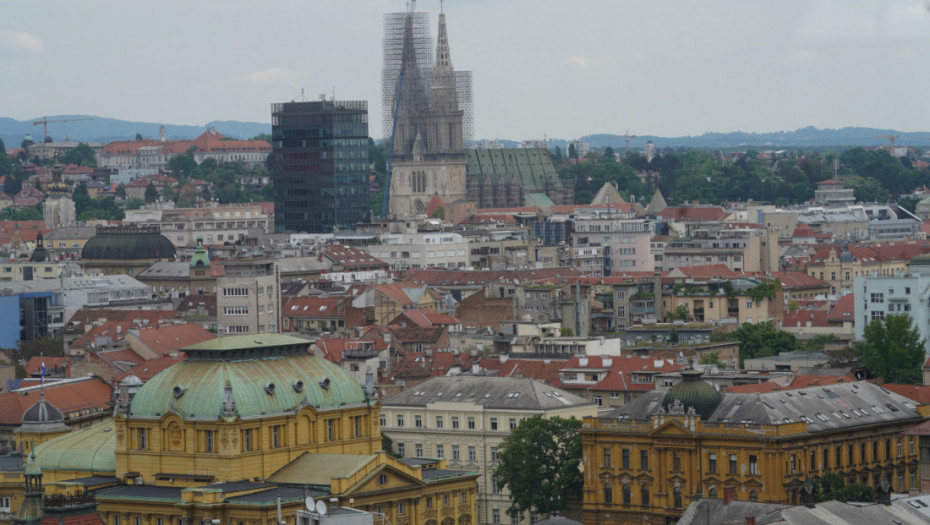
x=677, y=497
x=608, y=493
x=712, y=493
x=627, y=498
x=644, y=500
x=753, y=496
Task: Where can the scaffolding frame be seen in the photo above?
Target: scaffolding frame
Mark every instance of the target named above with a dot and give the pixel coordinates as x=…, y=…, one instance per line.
x=393, y=54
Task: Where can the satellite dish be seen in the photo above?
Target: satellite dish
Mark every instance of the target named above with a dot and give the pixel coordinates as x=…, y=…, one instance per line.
x=309, y=503
x=321, y=508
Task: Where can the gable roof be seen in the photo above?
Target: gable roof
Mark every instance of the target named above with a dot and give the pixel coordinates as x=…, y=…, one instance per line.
x=166, y=339
x=73, y=397
x=426, y=318
x=490, y=392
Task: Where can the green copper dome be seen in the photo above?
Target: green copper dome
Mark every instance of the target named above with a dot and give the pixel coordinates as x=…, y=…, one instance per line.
x=248, y=375
x=89, y=449
x=920, y=260
x=693, y=392
x=128, y=243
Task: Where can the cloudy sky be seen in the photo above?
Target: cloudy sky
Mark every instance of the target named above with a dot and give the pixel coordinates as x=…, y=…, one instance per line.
x=562, y=69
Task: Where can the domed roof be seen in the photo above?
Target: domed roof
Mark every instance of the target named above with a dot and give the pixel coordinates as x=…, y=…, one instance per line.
x=89, y=449
x=693, y=392
x=248, y=375
x=920, y=260
x=128, y=243
x=43, y=416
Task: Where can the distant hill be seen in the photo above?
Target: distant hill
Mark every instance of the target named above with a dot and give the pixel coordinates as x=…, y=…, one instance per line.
x=101, y=129
x=799, y=138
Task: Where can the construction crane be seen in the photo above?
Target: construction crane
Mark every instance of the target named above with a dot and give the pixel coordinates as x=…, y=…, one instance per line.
x=45, y=122
x=892, y=138
x=628, y=137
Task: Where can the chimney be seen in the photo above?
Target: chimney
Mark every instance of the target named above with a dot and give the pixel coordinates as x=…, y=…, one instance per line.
x=750, y=520
x=729, y=494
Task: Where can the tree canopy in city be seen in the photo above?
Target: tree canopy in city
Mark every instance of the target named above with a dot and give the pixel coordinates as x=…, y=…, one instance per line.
x=892, y=348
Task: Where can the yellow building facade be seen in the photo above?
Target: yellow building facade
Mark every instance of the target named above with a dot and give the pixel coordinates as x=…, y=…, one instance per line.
x=645, y=462
x=242, y=422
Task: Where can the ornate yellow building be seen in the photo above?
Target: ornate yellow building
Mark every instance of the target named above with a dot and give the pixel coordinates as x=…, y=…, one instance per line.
x=646, y=461
x=243, y=422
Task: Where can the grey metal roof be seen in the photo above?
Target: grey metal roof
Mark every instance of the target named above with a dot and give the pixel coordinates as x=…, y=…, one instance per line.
x=271, y=496
x=833, y=512
x=166, y=270
x=71, y=232
x=302, y=264
x=712, y=511
x=824, y=408
x=490, y=392
x=141, y=491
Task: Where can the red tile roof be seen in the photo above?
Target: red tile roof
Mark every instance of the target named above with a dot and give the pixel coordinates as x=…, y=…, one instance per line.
x=800, y=318
x=843, y=310
x=417, y=365
x=440, y=277
x=170, y=338
x=351, y=258
x=799, y=280
x=426, y=318
x=707, y=271
x=315, y=307
x=799, y=381
x=34, y=365
x=71, y=397
x=149, y=369
x=619, y=377
x=919, y=393
x=537, y=369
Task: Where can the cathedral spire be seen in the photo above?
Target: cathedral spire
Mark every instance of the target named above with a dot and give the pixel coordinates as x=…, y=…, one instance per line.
x=443, y=57
x=444, y=98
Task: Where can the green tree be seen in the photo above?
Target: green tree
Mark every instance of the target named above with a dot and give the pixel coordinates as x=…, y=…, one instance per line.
x=572, y=152
x=539, y=463
x=139, y=136
x=566, y=331
x=134, y=204
x=151, y=193
x=82, y=155
x=609, y=154
x=81, y=198
x=892, y=349
x=387, y=445
x=183, y=164
x=47, y=346
x=759, y=340
x=262, y=136
x=6, y=165
x=832, y=486
x=710, y=358
x=121, y=191
x=909, y=203
x=680, y=313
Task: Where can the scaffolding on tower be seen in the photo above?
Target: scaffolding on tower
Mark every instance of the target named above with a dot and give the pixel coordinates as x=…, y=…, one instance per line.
x=393, y=49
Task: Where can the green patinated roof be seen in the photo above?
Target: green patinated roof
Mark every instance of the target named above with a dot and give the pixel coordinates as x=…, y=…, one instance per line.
x=203, y=381
x=539, y=199
x=241, y=342
x=90, y=449
x=128, y=243
x=532, y=166
x=693, y=392
x=320, y=469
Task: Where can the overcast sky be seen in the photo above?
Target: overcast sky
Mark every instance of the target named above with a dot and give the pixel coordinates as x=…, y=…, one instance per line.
x=562, y=69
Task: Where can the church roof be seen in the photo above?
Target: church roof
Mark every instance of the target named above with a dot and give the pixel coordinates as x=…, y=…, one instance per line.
x=267, y=373
x=608, y=194
x=532, y=167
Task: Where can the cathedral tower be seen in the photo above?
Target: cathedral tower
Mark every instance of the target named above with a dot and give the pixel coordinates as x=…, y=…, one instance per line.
x=429, y=154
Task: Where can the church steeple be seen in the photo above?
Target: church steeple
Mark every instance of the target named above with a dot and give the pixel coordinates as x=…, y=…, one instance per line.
x=443, y=97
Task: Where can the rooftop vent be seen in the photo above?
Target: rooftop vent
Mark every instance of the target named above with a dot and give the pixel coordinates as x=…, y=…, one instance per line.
x=269, y=388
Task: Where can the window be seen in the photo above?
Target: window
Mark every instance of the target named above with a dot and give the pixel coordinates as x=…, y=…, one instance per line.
x=209, y=440
x=445, y=500
x=676, y=461
x=493, y=423
x=626, y=494
x=137, y=520
x=626, y=458
x=357, y=422
x=607, y=463
x=644, y=459
x=826, y=459
x=116, y=520
x=383, y=420
x=495, y=516
x=456, y=455
x=493, y=454
x=429, y=502
x=753, y=496
x=471, y=422
x=276, y=436
x=143, y=435
x=753, y=466
x=4, y=504
x=418, y=421
x=495, y=489
x=462, y=497
x=440, y=451
x=513, y=423
x=794, y=464
x=598, y=401
x=401, y=508
x=677, y=498
x=732, y=463
x=877, y=298
x=472, y=454
x=400, y=420
x=455, y=422
x=438, y=421
x=712, y=463
x=247, y=439
x=330, y=430
x=813, y=461
x=418, y=450
x=401, y=449
x=608, y=493
x=644, y=499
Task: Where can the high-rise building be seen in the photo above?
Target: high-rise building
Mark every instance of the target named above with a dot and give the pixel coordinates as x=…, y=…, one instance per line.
x=320, y=165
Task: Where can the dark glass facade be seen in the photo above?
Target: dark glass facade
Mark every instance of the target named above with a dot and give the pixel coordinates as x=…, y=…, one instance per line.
x=320, y=165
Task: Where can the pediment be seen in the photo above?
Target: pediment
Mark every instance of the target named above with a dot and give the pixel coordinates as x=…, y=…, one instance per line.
x=392, y=479
x=672, y=428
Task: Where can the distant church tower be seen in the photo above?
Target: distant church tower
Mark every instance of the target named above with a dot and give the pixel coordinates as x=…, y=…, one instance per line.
x=58, y=210
x=429, y=152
